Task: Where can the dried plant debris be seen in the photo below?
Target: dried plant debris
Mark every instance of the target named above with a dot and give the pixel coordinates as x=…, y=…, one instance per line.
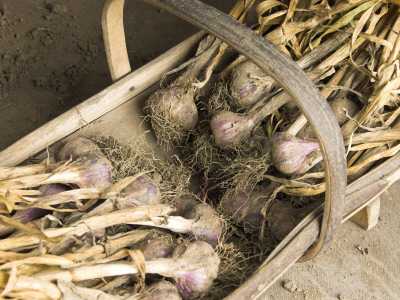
x=171, y=175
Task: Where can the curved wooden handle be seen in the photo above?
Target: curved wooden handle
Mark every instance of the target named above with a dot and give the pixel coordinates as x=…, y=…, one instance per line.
x=295, y=82
x=112, y=22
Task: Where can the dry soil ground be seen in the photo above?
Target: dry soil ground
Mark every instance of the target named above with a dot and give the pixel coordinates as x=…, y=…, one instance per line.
x=52, y=58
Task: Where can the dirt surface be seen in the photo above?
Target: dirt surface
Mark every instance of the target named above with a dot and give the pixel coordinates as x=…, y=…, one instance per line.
x=47, y=53
x=52, y=55
x=52, y=58
x=359, y=264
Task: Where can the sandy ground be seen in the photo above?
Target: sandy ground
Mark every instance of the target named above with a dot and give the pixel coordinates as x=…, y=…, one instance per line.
x=52, y=58
x=359, y=264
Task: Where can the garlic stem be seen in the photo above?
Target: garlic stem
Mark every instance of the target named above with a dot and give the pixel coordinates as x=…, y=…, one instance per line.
x=193, y=267
x=91, y=224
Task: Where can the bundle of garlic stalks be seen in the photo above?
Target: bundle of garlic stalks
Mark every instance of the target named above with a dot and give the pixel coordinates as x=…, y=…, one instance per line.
x=113, y=222
x=68, y=230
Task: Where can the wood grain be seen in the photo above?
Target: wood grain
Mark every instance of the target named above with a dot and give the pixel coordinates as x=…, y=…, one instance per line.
x=112, y=22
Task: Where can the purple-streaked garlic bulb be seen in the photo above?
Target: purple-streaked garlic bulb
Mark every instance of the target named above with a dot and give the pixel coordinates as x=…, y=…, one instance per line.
x=249, y=84
x=195, y=270
x=141, y=191
x=131, y=191
x=192, y=267
x=181, y=107
x=163, y=289
x=155, y=248
x=99, y=168
x=290, y=155
x=341, y=107
x=244, y=206
x=88, y=171
x=52, y=189
x=231, y=129
x=173, y=112
x=207, y=223
x=33, y=213
x=77, y=147
x=91, y=170
x=283, y=217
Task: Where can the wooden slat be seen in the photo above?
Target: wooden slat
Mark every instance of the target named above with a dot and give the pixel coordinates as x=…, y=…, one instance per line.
x=112, y=21
x=368, y=217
